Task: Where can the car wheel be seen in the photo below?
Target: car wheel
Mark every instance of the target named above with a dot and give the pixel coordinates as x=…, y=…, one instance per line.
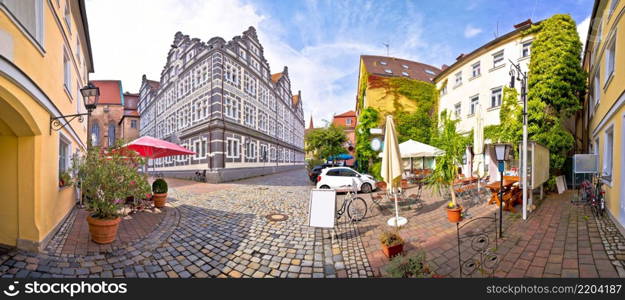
x=324, y=187
x=366, y=188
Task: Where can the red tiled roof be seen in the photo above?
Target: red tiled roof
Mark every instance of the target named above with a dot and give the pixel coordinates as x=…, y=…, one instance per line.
x=381, y=65
x=131, y=100
x=276, y=77
x=154, y=84
x=131, y=113
x=110, y=91
x=350, y=113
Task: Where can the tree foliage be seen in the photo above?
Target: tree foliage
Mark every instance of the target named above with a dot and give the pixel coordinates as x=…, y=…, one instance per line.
x=555, y=86
x=326, y=142
x=454, y=144
x=510, y=128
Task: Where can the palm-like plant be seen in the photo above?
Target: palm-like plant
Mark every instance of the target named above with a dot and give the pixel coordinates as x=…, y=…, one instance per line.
x=454, y=144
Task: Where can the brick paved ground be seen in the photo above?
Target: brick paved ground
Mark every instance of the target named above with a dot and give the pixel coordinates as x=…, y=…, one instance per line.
x=73, y=236
x=557, y=240
x=211, y=230
x=216, y=231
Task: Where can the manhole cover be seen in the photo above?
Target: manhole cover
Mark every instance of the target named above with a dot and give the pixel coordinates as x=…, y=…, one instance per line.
x=277, y=217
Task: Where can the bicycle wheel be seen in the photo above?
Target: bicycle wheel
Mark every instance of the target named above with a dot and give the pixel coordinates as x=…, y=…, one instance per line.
x=357, y=209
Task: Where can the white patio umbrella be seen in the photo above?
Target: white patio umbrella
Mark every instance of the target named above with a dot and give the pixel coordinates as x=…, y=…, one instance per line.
x=391, y=168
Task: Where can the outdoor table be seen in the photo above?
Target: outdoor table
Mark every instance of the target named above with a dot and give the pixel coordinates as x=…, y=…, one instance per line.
x=507, y=197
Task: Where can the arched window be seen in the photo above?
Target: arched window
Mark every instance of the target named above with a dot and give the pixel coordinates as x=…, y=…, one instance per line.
x=111, y=135
x=95, y=134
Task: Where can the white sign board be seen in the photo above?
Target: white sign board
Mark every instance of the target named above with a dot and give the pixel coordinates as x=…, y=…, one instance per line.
x=561, y=183
x=322, y=208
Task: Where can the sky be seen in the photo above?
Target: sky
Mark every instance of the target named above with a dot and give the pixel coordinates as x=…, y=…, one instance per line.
x=320, y=41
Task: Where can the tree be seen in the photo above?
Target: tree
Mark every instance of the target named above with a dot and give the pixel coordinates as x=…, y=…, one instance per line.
x=369, y=118
x=326, y=142
x=556, y=84
x=454, y=145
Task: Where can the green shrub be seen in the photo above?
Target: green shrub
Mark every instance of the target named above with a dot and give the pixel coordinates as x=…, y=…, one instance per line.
x=159, y=186
x=409, y=266
x=311, y=163
x=376, y=170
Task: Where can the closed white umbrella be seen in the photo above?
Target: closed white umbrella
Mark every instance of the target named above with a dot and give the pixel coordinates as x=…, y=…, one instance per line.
x=391, y=167
x=478, y=145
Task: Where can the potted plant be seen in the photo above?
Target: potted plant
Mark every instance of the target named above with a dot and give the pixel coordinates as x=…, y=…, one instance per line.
x=64, y=179
x=159, y=190
x=446, y=170
x=392, y=244
x=108, y=177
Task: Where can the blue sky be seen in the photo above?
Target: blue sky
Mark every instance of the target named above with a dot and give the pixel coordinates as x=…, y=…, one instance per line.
x=320, y=41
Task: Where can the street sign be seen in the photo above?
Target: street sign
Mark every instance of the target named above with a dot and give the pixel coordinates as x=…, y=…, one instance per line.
x=376, y=144
x=376, y=131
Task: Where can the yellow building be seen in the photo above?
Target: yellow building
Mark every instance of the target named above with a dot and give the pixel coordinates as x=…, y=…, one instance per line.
x=45, y=59
x=604, y=60
x=374, y=72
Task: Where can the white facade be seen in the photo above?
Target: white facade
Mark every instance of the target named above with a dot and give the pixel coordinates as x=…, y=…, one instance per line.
x=479, y=78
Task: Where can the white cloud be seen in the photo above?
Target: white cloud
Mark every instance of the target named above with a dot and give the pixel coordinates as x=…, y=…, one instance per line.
x=582, y=30
x=471, y=31
x=135, y=40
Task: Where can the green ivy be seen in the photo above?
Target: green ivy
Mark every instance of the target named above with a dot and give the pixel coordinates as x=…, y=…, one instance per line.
x=369, y=118
x=556, y=84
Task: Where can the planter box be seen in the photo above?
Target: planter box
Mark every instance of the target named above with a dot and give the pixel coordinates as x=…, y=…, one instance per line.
x=392, y=251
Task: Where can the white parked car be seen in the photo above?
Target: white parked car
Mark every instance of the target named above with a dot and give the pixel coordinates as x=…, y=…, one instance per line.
x=341, y=178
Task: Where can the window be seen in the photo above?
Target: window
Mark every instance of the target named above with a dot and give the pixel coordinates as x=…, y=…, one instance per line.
x=495, y=97
x=405, y=73
x=444, y=90
x=458, y=78
x=388, y=71
x=133, y=123
x=607, y=153
x=111, y=135
x=203, y=149
x=457, y=110
x=64, y=154
x=67, y=72
x=475, y=101
x=231, y=107
x=29, y=14
x=498, y=59
x=596, y=89
x=263, y=152
x=430, y=72
x=406, y=67
x=67, y=17
x=250, y=150
x=475, y=68
x=526, y=49
x=613, y=4
x=383, y=63
x=250, y=115
x=609, y=59
x=348, y=121
x=232, y=150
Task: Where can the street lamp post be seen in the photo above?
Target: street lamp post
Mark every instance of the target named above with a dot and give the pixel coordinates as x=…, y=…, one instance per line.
x=522, y=77
x=502, y=152
x=91, y=94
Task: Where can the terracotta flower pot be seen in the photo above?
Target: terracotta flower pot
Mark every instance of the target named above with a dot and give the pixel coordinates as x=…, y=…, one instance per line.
x=392, y=250
x=103, y=231
x=159, y=200
x=454, y=215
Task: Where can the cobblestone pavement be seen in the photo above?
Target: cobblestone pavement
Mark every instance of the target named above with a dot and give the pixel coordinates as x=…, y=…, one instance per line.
x=222, y=232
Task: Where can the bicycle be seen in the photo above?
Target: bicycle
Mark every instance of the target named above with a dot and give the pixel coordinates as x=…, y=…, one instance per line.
x=591, y=193
x=354, y=206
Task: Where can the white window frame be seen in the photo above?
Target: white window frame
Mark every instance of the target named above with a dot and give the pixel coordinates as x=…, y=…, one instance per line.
x=458, y=79
x=67, y=72
x=473, y=103
x=348, y=121
x=499, y=62
x=610, y=59
x=68, y=150
x=476, y=66
x=608, y=154
x=499, y=96
x=527, y=45
x=233, y=145
x=458, y=110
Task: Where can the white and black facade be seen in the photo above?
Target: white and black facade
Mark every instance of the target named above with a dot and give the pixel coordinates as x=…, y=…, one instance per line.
x=220, y=100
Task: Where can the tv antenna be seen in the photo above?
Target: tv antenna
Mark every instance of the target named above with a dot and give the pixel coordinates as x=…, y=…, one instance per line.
x=387, y=45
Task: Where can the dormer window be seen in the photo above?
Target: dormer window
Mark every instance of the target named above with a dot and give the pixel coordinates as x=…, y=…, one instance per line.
x=383, y=63
x=405, y=73
x=405, y=66
x=388, y=71
x=430, y=72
